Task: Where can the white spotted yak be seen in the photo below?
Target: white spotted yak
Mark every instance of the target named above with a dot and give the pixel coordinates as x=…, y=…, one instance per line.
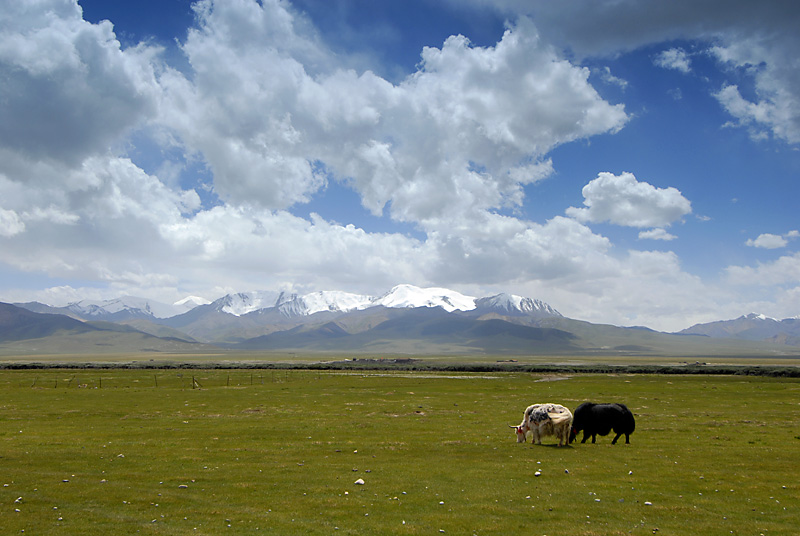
x=545, y=420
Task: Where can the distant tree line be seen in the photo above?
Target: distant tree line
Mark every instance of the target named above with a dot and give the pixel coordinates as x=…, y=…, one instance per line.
x=408, y=364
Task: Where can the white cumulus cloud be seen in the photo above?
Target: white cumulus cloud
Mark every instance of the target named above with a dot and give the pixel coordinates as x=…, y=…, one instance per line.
x=784, y=271
x=10, y=223
x=68, y=88
x=767, y=241
x=656, y=234
x=272, y=115
x=772, y=241
x=623, y=200
x=758, y=40
x=674, y=58
x=463, y=133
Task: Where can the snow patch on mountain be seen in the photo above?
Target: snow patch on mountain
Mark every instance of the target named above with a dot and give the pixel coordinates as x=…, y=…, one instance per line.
x=290, y=304
x=242, y=303
x=336, y=301
x=126, y=304
x=191, y=301
x=758, y=316
x=753, y=327
x=513, y=304
x=400, y=297
x=404, y=296
x=188, y=303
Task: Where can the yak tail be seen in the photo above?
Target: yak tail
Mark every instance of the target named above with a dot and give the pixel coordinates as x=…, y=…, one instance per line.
x=558, y=418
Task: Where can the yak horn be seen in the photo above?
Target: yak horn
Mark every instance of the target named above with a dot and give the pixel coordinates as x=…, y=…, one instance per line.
x=511, y=426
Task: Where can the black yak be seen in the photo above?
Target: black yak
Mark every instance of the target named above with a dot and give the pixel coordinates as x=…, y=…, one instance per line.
x=600, y=419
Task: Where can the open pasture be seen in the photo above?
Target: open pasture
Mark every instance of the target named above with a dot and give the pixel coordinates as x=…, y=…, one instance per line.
x=279, y=452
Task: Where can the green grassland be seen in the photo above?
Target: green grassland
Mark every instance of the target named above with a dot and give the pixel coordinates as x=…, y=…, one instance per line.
x=280, y=359
x=115, y=451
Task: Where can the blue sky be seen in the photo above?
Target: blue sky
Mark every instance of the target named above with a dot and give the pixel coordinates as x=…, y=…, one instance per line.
x=633, y=163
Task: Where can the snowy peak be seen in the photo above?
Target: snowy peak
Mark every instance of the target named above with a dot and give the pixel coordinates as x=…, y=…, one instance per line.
x=187, y=304
x=511, y=304
x=242, y=303
x=756, y=316
x=322, y=301
x=125, y=306
x=336, y=301
x=405, y=296
x=191, y=302
x=291, y=304
x=753, y=326
x=133, y=307
x=400, y=297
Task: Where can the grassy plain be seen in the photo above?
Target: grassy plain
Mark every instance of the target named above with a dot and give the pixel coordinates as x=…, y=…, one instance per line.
x=279, y=451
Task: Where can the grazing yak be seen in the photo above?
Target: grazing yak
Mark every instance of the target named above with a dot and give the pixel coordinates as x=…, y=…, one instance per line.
x=545, y=420
x=600, y=419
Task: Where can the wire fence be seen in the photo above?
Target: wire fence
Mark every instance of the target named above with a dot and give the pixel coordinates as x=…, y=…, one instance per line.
x=116, y=379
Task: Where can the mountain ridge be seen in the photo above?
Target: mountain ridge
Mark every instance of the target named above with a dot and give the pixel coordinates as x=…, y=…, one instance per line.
x=291, y=304
x=406, y=319
x=751, y=327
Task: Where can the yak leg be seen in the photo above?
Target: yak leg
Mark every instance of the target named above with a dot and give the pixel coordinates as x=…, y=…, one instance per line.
x=585, y=437
x=627, y=439
x=594, y=437
x=614, y=442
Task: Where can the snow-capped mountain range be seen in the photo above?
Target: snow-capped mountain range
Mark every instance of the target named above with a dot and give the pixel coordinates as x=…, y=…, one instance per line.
x=292, y=304
x=275, y=319
x=133, y=306
x=407, y=319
